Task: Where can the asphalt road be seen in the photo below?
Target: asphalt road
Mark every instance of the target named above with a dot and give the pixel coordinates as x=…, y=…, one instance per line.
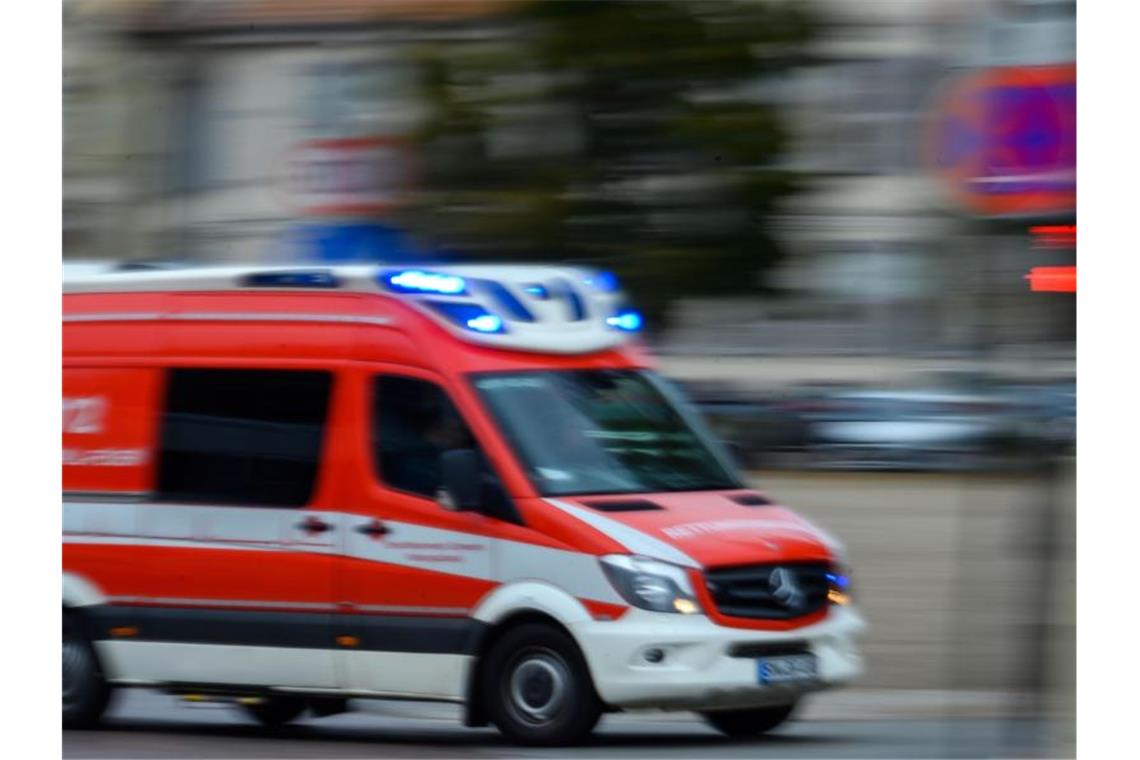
x=150, y=725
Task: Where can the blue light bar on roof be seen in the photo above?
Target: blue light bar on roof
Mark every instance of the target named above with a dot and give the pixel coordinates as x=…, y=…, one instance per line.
x=628, y=320
x=604, y=282
x=420, y=281
x=471, y=316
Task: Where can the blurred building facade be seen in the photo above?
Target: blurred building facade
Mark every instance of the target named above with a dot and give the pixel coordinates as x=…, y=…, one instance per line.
x=883, y=259
x=242, y=131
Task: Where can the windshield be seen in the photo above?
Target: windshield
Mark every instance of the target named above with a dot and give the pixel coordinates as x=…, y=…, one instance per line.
x=603, y=431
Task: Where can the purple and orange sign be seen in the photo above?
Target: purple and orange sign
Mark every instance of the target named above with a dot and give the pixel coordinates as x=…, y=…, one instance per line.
x=1004, y=140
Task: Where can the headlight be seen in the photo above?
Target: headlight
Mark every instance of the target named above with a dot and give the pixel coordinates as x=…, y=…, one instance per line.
x=650, y=584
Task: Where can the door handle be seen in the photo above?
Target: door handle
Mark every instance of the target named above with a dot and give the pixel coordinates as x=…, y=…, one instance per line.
x=374, y=529
x=313, y=525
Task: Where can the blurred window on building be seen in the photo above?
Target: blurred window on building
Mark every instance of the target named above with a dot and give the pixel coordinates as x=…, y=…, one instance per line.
x=863, y=116
x=413, y=425
x=192, y=160
x=357, y=97
x=249, y=437
x=872, y=273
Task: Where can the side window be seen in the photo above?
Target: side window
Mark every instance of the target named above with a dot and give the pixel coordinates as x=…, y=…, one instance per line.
x=413, y=424
x=242, y=436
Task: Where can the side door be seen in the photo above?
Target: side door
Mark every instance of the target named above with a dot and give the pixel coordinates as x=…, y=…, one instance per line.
x=238, y=540
x=413, y=570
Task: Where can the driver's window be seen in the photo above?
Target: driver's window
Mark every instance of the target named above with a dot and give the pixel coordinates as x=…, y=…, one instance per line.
x=414, y=422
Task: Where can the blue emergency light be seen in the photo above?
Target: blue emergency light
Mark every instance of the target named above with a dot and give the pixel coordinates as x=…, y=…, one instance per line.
x=420, y=281
x=603, y=282
x=628, y=320
x=471, y=316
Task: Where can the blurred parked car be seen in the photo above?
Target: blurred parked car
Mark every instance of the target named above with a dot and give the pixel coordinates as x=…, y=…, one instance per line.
x=763, y=431
x=909, y=430
x=1046, y=414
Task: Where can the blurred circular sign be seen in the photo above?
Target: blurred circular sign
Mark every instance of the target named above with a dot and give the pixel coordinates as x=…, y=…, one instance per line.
x=1004, y=140
x=347, y=177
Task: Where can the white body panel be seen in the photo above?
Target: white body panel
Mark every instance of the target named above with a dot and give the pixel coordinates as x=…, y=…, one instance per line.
x=697, y=671
x=159, y=662
x=441, y=677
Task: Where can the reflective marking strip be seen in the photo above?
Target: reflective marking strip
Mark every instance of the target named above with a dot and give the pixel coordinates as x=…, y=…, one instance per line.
x=124, y=316
x=631, y=538
x=395, y=609
x=398, y=608
x=227, y=316
x=183, y=602
x=119, y=539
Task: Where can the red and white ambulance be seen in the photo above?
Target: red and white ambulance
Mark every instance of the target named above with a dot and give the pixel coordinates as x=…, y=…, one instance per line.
x=297, y=487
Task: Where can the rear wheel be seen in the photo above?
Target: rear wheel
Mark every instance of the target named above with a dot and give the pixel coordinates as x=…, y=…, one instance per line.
x=742, y=724
x=85, y=691
x=537, y=687
x=275, y=711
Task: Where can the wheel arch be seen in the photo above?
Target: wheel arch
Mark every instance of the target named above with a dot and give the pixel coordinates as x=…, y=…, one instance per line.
x=505, y=609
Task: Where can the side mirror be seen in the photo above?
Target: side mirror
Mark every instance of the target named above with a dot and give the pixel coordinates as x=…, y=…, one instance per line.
x=461, y=479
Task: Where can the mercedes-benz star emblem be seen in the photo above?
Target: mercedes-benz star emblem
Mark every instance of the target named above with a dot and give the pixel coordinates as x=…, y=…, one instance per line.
x=785, y=590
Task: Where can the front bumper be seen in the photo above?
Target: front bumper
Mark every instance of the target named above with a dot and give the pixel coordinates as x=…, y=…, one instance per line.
x=698, y=672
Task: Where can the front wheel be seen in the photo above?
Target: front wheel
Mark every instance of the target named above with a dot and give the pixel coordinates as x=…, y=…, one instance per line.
x=537, y=688
x=743, y=724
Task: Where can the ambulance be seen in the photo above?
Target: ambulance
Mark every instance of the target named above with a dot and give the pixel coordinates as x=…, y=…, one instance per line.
x=296, y=488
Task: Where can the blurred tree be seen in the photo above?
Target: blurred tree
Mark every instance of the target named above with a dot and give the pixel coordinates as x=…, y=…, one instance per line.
x=637, y=136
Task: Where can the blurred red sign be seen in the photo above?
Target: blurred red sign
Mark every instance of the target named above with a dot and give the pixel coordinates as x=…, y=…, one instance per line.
x=1004, y=140
x=348, y=177
x=1052, y=279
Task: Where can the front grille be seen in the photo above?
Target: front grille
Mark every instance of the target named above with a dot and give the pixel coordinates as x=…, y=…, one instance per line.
x=775, y=592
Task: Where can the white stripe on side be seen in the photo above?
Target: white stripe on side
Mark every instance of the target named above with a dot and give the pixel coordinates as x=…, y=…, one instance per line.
x=177, y=543
x=632, y=539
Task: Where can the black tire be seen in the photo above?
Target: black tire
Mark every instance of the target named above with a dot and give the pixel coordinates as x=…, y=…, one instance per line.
x=273, y=712
x=85, y=690
x=537, y=688
x=744, y=724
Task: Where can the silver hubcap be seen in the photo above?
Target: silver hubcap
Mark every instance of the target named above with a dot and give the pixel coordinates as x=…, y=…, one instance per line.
x=538, y=686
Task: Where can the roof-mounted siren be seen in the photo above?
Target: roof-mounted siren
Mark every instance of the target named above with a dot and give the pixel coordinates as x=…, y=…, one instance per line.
x=466, y=314
x=492, y=302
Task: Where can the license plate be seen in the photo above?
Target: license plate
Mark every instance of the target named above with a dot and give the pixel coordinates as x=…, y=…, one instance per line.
x=786, y=669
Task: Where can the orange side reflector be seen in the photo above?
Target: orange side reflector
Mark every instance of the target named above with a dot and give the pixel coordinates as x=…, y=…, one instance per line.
x=348, y=641
x=1052, y=279
x=124, y=632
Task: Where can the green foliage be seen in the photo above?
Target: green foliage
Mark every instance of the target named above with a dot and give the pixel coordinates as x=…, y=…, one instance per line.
x=630, y=135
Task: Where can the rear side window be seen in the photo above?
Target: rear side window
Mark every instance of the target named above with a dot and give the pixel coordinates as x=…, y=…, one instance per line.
x=242, y=436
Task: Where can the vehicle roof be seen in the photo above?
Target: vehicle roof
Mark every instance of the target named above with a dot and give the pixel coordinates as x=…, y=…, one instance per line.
x=530, y=308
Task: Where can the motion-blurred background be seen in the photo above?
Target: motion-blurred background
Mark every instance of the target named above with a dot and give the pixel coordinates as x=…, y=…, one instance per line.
x=851, y=226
